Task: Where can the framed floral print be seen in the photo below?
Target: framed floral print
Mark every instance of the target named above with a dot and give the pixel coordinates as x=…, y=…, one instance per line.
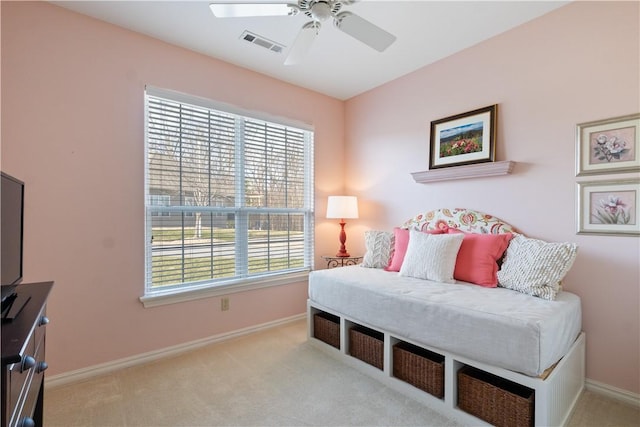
x=609, y=207
x=464, y=138
x=606, y=146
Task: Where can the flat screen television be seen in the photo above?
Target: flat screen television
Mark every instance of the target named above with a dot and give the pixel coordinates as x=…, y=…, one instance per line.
x=11, y=232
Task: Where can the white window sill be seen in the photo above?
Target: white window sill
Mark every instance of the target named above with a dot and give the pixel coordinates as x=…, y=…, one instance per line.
x=174, y=296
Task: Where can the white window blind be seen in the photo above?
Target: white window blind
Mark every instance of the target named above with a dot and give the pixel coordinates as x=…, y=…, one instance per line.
x=229, y=198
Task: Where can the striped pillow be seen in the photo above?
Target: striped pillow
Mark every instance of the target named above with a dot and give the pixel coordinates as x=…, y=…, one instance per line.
x=535, y=267
x=379, y=248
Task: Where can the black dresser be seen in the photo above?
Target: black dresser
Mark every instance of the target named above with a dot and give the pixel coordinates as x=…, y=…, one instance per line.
x=23, y=358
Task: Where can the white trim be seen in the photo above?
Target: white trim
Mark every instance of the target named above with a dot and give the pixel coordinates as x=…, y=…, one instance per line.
x=613, y=392
x=225, y=107
x=116, y=365
x=181, y=295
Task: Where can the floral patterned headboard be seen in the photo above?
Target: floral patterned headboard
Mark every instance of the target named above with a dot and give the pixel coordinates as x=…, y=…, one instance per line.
x=466, y=220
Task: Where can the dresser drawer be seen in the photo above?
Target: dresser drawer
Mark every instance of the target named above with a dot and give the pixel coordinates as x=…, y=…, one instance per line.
x=25, y=386
x=23, y=358
x=24, y=378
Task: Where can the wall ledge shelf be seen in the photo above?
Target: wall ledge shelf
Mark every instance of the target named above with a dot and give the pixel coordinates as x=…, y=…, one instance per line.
x=463, y=172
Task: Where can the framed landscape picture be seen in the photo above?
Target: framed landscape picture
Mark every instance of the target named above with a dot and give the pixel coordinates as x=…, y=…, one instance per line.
x=609, y=207
x=606, y=146
x=464, y=138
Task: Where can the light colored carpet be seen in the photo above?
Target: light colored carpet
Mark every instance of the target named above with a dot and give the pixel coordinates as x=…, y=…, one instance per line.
x=270, y=378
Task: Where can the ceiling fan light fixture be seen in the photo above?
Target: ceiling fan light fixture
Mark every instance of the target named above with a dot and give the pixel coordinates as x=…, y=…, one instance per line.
x=321, y=10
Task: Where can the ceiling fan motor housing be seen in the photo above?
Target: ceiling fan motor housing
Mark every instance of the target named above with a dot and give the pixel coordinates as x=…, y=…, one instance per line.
x=321, y=10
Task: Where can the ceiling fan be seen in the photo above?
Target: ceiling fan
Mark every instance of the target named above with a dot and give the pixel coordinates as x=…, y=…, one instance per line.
x=319, y=11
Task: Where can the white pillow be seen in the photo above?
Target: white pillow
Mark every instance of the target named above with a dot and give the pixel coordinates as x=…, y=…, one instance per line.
x=379, y=248
x=535, y=267
x=431, y=256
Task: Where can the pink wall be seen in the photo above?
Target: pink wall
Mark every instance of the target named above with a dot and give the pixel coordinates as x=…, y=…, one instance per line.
x=72, y=129
x=577, y=64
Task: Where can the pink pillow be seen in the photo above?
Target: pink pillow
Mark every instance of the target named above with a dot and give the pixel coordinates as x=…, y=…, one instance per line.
x=477, y=260
x=400, y=247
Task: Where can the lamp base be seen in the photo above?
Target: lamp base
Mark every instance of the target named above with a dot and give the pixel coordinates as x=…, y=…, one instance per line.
x=343, y=238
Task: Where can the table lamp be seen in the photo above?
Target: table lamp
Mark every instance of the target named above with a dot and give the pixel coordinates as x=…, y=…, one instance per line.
x=342, y=207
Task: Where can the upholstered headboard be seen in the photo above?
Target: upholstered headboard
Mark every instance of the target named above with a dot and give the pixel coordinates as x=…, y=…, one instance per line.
x=466, y=220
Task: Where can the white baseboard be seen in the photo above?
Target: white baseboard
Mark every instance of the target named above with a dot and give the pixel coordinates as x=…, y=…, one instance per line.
x=109, y=367
x=613, y=392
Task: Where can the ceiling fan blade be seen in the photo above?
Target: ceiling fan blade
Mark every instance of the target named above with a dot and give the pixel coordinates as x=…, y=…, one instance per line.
x=363, y=30
x=302, y=43
x=227, y=9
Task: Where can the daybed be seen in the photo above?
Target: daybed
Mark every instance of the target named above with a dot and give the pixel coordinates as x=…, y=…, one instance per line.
x=507, y=353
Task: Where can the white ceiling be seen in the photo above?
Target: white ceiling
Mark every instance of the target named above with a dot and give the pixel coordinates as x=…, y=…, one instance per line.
x=337, y=65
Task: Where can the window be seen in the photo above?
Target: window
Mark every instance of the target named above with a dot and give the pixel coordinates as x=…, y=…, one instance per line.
x=229, y=198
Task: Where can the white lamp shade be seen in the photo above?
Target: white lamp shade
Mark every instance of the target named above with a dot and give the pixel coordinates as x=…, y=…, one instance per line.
x=342, y=207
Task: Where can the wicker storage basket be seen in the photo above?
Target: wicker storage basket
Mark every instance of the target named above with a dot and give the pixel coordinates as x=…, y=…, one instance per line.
x=419, y=367
x=367, y=345
x=326, y=327
x=494, y=399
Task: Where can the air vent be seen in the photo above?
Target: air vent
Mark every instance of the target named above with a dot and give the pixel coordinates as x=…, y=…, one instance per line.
x=261, y=41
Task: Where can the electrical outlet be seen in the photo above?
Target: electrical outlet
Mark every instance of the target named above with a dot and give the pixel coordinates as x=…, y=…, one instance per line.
x=224, y=304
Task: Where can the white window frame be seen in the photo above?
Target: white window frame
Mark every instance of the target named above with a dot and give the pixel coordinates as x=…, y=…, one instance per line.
x=195, y=290
x=160, y=200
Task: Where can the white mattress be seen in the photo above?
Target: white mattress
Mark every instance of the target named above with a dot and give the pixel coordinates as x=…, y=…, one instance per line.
x=496, y=326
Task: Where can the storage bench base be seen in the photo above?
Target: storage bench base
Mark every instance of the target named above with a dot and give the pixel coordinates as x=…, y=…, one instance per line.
x=553, y=397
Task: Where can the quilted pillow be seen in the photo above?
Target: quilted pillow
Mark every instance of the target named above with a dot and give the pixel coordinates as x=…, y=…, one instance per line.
x=477, y=260
x=535, y=267
x=431, y=256
x=401, y=241
x=378, y=248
